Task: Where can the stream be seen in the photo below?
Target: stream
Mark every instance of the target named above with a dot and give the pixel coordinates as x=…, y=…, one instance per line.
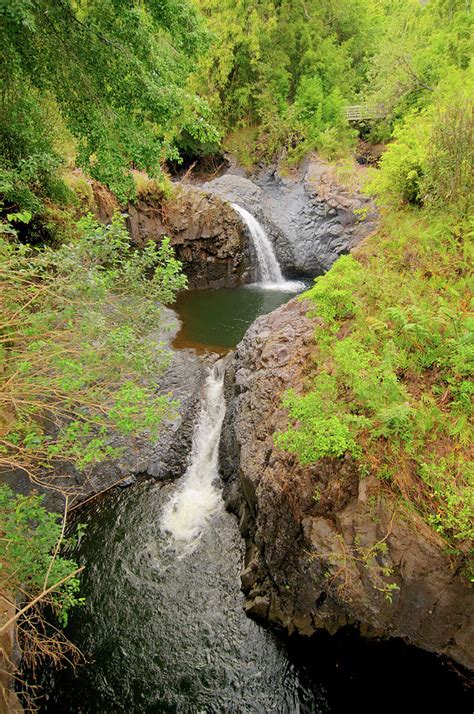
x=163, y=628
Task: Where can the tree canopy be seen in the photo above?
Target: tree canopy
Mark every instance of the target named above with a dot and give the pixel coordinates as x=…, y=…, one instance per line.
x=112, y=85
x=115, y=71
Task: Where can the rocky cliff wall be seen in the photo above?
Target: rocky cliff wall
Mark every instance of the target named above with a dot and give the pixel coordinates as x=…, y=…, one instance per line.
x=326, y=548
x=310, y=217
x=206, y=233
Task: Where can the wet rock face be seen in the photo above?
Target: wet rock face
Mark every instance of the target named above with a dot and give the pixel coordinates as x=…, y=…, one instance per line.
x=310, y=218
x=325, y=548
x=207, y=235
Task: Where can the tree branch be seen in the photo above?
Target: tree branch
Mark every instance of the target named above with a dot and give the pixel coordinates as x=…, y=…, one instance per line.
x=39, y=597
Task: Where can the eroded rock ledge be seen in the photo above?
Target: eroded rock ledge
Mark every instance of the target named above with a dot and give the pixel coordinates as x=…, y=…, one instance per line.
x=206, y=233
x=325, y=548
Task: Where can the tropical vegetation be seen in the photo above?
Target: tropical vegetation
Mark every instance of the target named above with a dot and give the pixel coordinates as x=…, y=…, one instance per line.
x=100, y=92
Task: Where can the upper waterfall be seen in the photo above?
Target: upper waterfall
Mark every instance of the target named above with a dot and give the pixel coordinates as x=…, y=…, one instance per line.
x=268, y=267
x=269, y=271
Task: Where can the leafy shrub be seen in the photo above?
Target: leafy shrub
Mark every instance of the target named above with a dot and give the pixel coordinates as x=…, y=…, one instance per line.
x=449, y=160
x=454, y=497
x=29, y=536
x=334, y=293
x=318, y=434
x=430, y=160
x=75, y=347
x=402, y=166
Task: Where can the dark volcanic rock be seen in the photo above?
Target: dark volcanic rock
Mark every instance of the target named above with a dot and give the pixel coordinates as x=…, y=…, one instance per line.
x=326, y=548
x=206, y=233
x=310, y=218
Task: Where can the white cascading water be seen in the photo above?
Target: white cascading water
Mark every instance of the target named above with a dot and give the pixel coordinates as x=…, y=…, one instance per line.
x=268, y=266
x=198, y=495
x=270, y=275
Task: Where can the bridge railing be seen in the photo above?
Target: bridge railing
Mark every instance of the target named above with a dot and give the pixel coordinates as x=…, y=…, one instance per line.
x=363, y=112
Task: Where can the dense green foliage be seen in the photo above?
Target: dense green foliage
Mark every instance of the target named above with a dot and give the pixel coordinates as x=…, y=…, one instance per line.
x=74, y=346
x=28, y=563
x=115, y=85
x=287, y=68
x=113, y=73
x=420, y=46
x=392, y=380
x=278, y=74
x=393, y=372
x=423, y=75
x=431, y=160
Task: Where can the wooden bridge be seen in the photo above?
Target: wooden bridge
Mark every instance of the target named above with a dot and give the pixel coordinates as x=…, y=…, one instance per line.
x=364, y=112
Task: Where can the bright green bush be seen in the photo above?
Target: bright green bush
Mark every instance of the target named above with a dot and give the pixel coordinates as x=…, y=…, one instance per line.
x=402, y=167
x=76, y=352
x=449, y=164
x=29, y=535
x=430, y=161
x=334, y=294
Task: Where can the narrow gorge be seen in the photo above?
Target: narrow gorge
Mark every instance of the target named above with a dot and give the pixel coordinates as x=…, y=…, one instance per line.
x=164, y=558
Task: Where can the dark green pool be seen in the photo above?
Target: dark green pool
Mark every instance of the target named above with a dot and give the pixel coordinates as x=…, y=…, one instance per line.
x=218, y=319
x=164, y=632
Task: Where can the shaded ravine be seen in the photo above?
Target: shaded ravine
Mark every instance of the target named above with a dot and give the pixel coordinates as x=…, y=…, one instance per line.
x=164, y=630
x=164, y=626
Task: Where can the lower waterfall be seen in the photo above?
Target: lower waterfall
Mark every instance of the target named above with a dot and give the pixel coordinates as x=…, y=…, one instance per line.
x=198, y=496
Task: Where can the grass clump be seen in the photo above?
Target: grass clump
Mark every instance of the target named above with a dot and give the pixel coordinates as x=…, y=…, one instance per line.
x=159, y=188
